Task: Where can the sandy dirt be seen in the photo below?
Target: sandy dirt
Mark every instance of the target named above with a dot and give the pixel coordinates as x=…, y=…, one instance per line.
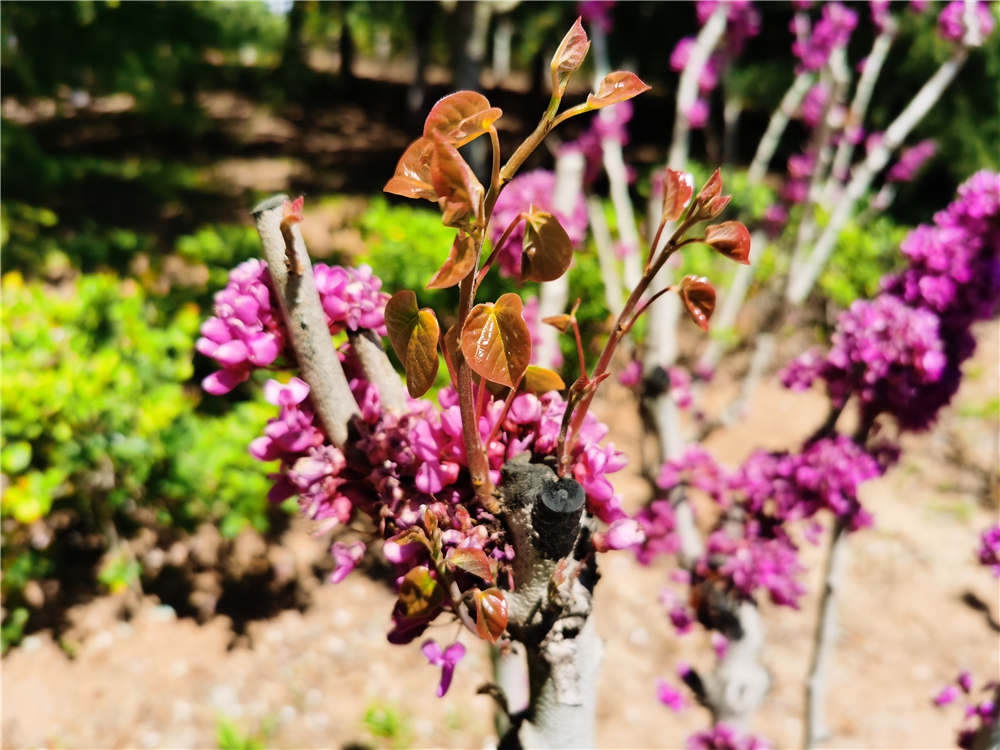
x=307, y=679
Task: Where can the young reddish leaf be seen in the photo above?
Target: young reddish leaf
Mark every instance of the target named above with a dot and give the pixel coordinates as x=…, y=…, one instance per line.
x=459, y=263
x=541, y=380
x=453, y=346
x=561, y=322
x=491, y=614
x=616, y=87
x=698, y=297
x=496, y=341
x=731, y=239
x=716, y=206
x=419, y=593
x=414, y=335
x=410, y=536
x=459, y=193
x=461, y=117
x=472, y=560
x=547, y=250
x=292, y=210
x=571, y=52
x=412, y=178
x=677, y=192
x=711, y=188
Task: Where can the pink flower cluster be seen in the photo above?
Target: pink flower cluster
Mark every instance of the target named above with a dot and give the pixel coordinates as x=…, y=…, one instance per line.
x=981, y=714
x=911, y=160
x=609, y=124
x=536, y=188
x=951, y=21
x=989, y=549
x=901, y=352
x=248, y=331
x=832, y=30
x=724, y=737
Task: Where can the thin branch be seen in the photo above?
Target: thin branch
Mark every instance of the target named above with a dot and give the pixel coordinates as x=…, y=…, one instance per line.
x=305, y=320
x=379, y=370
x=777, y=124
x=605, y=256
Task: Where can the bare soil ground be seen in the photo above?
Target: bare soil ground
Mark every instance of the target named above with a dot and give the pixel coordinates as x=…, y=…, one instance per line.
x=307, y=678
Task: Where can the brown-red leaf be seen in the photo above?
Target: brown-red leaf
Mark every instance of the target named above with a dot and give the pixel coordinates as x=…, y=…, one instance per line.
x=560, y=322
x=711, y=188
x=491, y=614
x=616, y=87
x=676, y=194
x=460, y=261
x=731, y=239
x=414, y=335
x=419, y=593
x=496, y=342
x=472, y=560
x=571, y=52
x=412, y=178
x=461, y=117
x=547, y=250
x=698, y=297
x=459, y=193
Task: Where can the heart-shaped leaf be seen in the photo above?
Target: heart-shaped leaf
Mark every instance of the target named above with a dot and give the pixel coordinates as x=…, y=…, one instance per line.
x=471, y=560
x=731, y=239
x=541, y=380
x=412, y=178
x=459, y=193
x=698, y=297
x=570, y=54
x=419, y=593
x=616, y=87
x=460, y=261
x=414, y=335
x=677, y=190
x=496, y=341
x=491, y=614
x=547, y=250
x=461, y=117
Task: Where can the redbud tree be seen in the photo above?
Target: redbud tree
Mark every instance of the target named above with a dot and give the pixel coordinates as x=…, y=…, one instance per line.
x=491, y=504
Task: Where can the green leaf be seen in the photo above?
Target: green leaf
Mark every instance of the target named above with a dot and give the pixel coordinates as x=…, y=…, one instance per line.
x=16, y=457
x=414, y=335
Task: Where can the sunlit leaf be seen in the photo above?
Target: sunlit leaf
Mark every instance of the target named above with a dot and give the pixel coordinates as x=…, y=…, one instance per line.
x=414, y=335
x=731, y=239
x=541, y=380
x=711, y=188
x=496, y=341
x=571, y=52
x=419, y=593
x=460, y=261
x=472, y=560
x=560, y=322
x=491, y=614
x=677, y=192
x=412, y=535
x=698, y=297
x=461, y=117
x=616, y=87
x=547, y=250
x=412, y=178
x=459, y=193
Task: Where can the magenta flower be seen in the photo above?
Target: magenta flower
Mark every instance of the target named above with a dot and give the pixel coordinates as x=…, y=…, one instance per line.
x=669, y=696
x=951, y=21
x=989, y=549
x=946, y=695
x=447, y=660
x=345, y=557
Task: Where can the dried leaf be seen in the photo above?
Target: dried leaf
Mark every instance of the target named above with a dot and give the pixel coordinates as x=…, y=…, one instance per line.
x=460, y=262
x=414, y=335
x=541, y=380
x=547, y=250
x=698, y=297
x=616, y=87
x=731, y=239
x=491, y=614
x=461, y=117
x=472, y=560
x=676, y=194
x=412, y=178
x=459, y=193
x=496, y=341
